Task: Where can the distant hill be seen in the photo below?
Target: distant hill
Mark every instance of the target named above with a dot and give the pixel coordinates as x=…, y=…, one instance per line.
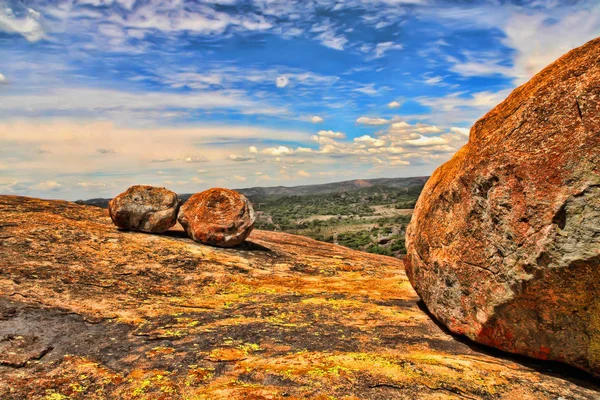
x=335, y=187
x=304, y=190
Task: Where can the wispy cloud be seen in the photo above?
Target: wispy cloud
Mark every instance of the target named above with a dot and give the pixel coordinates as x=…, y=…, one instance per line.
x=101, y=94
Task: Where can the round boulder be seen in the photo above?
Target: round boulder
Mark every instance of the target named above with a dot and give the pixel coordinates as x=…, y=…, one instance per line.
x=145, y=208
x=504, y=243
x=219, y=217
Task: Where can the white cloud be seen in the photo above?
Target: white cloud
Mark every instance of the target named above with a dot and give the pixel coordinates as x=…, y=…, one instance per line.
x=77, y=100
x=72, y=155
x=94, y=185
x=427, y=141
x=382, y=48
x=426, y=128
x=47, y=186
x=316, y=119
x=460, y=107
x=369, y=89
x=277, y=151
x=2, y=79
x=303, y=174
x=28, y=24
x=394, y=104
x=371, y=121
x=331, y=40
x=541, y=39
x=460, y=131
x=235, y=157
x=537, y=38
x=331, y=134
x=252, y=149
x=371, y=141
x=433, y=80
x=239, y=178
x=281, y=81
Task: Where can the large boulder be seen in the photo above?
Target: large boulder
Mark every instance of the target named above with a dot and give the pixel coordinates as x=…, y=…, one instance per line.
x=504, y=243
x=219, y=217
x=145, y=208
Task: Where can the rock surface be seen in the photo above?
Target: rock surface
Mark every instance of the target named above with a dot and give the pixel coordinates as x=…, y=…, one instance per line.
x=145, y=208
x=219, y=217
x=91, y=312
x=504, y=244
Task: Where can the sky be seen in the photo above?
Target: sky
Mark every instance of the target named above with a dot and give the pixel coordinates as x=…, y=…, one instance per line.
x=99, y=95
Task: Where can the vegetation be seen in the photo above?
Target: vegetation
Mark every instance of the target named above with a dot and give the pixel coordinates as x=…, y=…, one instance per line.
x=371, y=219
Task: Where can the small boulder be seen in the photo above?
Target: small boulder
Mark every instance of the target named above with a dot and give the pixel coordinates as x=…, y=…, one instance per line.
x=219, y=217
x=145, y=208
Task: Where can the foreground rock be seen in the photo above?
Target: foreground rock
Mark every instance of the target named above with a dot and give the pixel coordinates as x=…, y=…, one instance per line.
x=90, y=312
x=145, y=208
x=219, y=217
x=504, y=244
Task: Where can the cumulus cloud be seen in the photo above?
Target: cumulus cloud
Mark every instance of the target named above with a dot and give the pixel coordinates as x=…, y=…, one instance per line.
x=195, y=159
x=394, y=104
x=371, y=121
x=303, y=174
x=394, y=146
x=239, y=178
x=277, y=151
x=371, y=141
x=2, y=78
x=281, y=81
x=427, y=141
x=316, y=119
x=331, y=134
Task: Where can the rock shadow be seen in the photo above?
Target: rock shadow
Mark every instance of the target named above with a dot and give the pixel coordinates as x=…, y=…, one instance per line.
x=550, y=368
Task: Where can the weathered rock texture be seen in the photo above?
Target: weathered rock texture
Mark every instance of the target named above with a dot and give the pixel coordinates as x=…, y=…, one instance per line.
x=504, y=244
x=91, y=312
x=145, y=208
x=219, y=217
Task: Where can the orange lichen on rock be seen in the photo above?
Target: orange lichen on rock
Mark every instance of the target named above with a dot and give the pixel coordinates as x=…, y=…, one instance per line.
x=504, y=243
x=110, y=314
x=219, y=217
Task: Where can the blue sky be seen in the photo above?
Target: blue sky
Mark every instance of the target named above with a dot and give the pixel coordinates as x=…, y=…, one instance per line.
x=98, y=95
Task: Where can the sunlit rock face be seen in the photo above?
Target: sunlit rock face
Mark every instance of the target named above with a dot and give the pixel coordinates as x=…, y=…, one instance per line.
x=504, y=244
x=219, y=217
x=88, y=311
x=145, y=208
